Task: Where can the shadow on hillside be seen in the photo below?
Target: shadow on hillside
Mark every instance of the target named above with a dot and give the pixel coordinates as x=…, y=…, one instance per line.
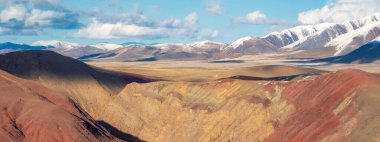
x=118, y=133
x=277, y=78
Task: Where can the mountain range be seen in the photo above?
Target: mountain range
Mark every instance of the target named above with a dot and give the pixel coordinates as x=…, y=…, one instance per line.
x=305, y=41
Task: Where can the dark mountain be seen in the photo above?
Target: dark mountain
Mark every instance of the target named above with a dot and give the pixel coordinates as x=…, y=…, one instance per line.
x=68, y=76
x=368, y=53
x=14, y=46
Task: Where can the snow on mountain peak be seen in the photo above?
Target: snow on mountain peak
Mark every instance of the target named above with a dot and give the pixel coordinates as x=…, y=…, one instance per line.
x=206, y=44
x=57, y=44
x=377, y=39
x=239, y=42
x=366, y=32
x=294, y=37
x=107, y=46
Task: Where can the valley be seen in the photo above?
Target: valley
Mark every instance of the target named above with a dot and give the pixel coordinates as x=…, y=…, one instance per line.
x=110, y=73
x=266, y=99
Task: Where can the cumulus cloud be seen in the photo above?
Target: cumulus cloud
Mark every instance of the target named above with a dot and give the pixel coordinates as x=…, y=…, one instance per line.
x=135, y=17
x=190, y=21
x=99, y=30
x=255, y=17
x=172, y=27
x=207, y=33
x=16, y=12
x=26, y=18
x=214, y=7
x=339, y=11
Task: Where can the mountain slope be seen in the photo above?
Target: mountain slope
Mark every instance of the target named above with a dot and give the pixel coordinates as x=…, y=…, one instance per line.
x=351, y=41
x=368, y=53
x=248, y=46
x=305, y=109
x=56, y=44
x=193, y=51
x=343, y=37
x=84, y=84
x=31, y=112
x=76, y=50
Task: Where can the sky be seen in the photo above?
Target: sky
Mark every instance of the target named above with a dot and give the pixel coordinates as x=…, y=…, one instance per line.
x=166, y=21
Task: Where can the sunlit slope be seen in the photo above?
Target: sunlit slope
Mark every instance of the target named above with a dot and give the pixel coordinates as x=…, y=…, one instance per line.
x=314, y=108
x=31, y=112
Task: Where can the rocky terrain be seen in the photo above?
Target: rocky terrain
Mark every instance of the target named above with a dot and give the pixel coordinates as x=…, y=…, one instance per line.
x=246, y=110
x=269, y=103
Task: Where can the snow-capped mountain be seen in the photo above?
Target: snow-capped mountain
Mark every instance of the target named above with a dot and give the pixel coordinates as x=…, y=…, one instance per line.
x=70, y=45
x=296, y=34
x=107, y=46
x=239, y=42
x=303, y=36
x=368, y=53
x=310, y=41
x=377, y=39
x=344, y=37
x=57, y=44
x=201, y=46
x=76, y=50
x=350, y=41
x=207, y=44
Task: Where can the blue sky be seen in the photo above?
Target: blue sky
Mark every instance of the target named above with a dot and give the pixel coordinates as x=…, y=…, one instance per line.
x=158, y=21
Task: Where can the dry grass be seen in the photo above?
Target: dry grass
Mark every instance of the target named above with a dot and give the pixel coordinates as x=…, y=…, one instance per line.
x=201, y=71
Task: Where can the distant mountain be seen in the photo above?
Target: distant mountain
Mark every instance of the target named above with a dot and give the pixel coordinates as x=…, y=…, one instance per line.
x=137, y=43
x=14, y=46
x=368, y=53
x=57, y=44
x=342, y=37
x=76, y=50
x=207, y=44
x=173, y=51
x=325, y=39
x=305, y=41
x=248, y=46
x=107, y=46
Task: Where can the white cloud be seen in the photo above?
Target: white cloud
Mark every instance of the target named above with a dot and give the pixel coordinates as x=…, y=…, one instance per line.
x=255, y=17
x=214, y=7
x=207, y=33
x=339, y=11
x=42, y=18
x=173, y=27
x=191, y=20
x=14, y=12
x=22, y=17
x=171, y=22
